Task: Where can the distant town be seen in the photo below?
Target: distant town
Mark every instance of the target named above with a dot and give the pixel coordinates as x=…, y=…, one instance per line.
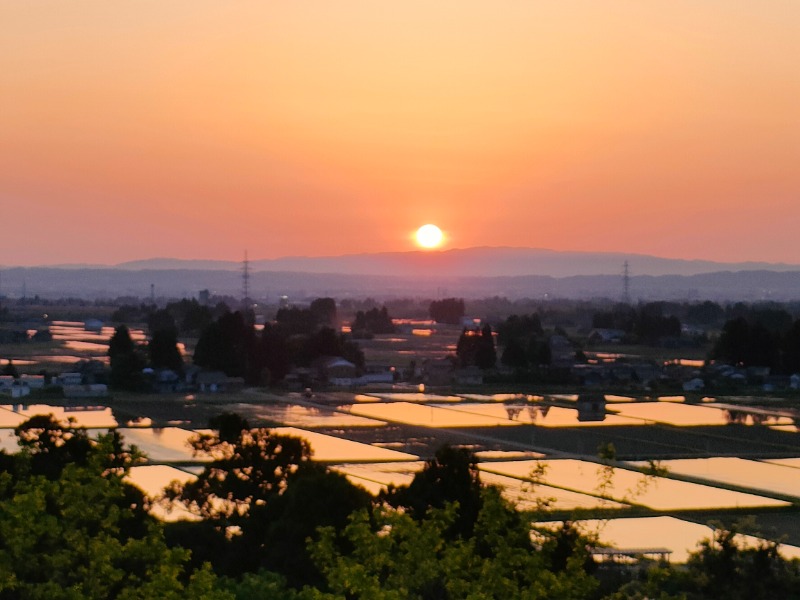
x=214, y=343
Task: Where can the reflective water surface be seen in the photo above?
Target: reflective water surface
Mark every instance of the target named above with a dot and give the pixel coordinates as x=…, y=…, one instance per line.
x=415, y=397
x=167, y=444
x=12, y=415
x=329, y=448
x=376, y=477
x=428, y=415
x=628, y=486
x=152, y=479
x=686, y=414
x=739, y=472
x=296, y=415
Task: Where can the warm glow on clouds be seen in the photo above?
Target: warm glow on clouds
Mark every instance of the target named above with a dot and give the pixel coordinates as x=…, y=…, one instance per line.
x=201, y=128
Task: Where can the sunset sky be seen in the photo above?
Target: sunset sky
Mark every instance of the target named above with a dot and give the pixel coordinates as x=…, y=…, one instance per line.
x=199, y=129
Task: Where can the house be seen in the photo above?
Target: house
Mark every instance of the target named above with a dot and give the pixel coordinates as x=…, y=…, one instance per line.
x=794, y=381
x=377, y=374
x=591, y=407
x=71, y=378
x=693, y=385
x=167, y=380
x=336, y=370
x=89, y=390
x=93, y=325
x=34, y=382
x=92, y=370
x=15, y=390
x=211, y=381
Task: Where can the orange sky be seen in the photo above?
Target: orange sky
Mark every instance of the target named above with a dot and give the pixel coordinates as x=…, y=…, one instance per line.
x=196, y=129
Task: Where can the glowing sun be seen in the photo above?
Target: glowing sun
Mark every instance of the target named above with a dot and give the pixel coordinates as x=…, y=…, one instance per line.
x=429, y=236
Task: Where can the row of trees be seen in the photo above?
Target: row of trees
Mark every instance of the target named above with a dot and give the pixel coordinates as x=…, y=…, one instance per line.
x=447, y=310
x=524, y=342
x=230, y=343
x=273, y=523
x=187, y=316
x=297, y=338
x=371, y=322
x=772, y=342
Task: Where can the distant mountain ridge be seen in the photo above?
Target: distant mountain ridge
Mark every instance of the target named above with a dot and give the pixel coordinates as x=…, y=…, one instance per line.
x=470, y=273
x=470, y=262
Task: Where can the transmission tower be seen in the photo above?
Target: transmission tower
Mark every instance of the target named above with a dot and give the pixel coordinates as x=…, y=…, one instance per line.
x=246, y=281
x=626, y=283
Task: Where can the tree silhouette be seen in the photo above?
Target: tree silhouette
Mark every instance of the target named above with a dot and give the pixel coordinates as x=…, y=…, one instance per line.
x=126, y=361
x=450, y=476
x=448, y=310
x=10, y=370
x=163, y=350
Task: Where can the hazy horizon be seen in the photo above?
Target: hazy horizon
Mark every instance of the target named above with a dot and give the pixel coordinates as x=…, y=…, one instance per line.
x=422, y=253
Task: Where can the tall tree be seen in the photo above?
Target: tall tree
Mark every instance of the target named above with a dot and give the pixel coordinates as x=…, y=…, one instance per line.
x=126, y=361
x=486, y=355
x=163, y=350
x=227, y=345
x=450, y=476
x=10, y=370
x=324, y=311
x=120, y=343
x=475, y=347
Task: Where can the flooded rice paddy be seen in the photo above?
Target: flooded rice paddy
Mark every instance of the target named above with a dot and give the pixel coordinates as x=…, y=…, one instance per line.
x=766, y=477
x=628, y=486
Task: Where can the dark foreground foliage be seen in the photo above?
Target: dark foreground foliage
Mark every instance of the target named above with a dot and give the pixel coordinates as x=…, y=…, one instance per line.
x=274, y=524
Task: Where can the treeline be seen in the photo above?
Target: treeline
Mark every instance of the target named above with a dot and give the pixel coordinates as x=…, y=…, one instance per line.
x=297, y=338
x=161, y=351
x=231, y=343
x=269, y=522
x=187, y=317
x=761, y=338
x=447, y=310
